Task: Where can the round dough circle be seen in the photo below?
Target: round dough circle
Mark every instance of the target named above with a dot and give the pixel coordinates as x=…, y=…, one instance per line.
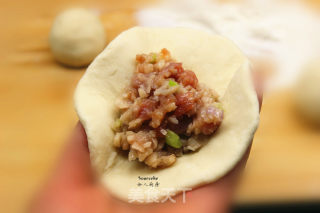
x=217, y=62
x=77, y=37
x=307, y=92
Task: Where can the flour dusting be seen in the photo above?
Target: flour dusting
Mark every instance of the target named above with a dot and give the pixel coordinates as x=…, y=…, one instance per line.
x=285, y=31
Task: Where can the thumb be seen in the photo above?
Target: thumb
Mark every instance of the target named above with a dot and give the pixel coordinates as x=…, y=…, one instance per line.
x=74, y=166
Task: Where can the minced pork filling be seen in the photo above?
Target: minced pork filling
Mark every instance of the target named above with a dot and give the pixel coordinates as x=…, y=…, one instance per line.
x=164, y=112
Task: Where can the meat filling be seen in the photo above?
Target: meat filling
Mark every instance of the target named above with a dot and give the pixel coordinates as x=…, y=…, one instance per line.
x=164, y=111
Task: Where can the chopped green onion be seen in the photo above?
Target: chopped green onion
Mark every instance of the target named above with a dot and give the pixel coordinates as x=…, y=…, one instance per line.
x=154, y=59
x=173, y=140
x=117, y=125
x=173, y=83
x=218, y=105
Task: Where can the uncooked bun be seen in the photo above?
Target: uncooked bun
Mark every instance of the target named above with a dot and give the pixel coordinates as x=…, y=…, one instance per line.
x=307, y=92
x=217, y=62
x=77, y=37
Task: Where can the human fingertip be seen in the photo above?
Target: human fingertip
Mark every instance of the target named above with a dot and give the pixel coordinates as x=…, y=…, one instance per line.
x=81, y=135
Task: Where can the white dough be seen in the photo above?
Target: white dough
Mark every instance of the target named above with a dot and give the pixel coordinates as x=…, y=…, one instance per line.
x=307, y=92
x=77, y=37
x=217, y=62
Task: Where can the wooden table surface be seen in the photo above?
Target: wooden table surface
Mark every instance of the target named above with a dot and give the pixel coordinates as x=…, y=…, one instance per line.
x=36, y=112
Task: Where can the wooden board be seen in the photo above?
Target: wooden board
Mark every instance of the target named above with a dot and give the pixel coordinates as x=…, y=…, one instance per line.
x=36, y=112
x=284, y=161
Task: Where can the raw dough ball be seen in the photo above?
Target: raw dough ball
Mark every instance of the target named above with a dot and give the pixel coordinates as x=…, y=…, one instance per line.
x=307, y=92
x=77, y=37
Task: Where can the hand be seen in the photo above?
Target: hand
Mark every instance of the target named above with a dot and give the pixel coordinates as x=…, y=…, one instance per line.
x=74, y=189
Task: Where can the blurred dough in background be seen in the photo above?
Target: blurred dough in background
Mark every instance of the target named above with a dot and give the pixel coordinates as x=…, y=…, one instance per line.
x=274, y=33
x=307, y=92
x=77, y=37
